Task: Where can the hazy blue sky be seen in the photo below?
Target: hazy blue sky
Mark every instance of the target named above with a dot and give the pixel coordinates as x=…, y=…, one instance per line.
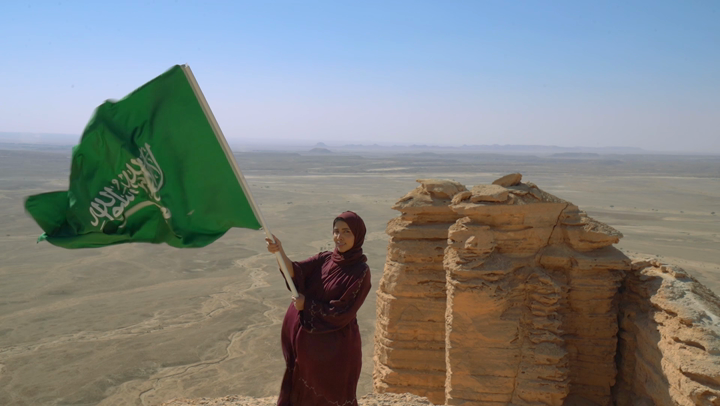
x=568, y=73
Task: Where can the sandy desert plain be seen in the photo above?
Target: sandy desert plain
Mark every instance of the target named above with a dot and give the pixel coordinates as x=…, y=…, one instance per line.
x=139, y=324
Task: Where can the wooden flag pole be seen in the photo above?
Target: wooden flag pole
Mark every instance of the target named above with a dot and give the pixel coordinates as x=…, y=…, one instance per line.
x=241, y=179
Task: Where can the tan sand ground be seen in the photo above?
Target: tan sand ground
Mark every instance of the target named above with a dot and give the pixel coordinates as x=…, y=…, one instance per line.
x=142, y=324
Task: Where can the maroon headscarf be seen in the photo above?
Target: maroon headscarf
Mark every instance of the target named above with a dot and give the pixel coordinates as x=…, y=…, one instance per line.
x=354, y=254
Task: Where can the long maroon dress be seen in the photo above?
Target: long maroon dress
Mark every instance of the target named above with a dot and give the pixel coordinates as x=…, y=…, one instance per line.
x=321, y=343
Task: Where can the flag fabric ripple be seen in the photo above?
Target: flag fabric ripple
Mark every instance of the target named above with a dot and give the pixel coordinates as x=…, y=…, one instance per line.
x=151, y=167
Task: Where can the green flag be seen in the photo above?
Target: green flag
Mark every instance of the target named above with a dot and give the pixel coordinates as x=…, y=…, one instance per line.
x=152, y=167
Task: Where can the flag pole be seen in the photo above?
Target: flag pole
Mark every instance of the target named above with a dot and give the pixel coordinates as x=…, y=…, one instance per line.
x=238, y=174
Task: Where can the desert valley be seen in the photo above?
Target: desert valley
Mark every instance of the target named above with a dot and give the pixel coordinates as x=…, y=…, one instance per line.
x=141, y=324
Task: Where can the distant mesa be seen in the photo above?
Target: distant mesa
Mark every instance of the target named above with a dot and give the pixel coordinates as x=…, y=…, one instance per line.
x=320, y=151
x=546, y=150
x=576, y=155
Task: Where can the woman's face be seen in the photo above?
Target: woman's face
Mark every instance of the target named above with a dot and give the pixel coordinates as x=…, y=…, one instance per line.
x=343, y=236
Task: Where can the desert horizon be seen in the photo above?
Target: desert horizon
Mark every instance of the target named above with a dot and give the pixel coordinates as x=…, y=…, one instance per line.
x=609, y=111
x=142, y=324
x=57, y=142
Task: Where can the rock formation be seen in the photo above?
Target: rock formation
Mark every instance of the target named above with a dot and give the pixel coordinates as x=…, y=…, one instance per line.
x=531, y=286
x=669, y=349
x=410, y=333
x=532, y=294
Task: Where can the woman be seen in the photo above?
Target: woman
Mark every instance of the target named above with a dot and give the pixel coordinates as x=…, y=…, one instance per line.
x=320, y=335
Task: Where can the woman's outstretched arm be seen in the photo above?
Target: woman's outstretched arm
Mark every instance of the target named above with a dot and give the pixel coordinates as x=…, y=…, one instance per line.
x=276, y=246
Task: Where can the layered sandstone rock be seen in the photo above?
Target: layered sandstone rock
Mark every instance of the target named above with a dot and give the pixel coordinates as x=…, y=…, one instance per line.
x=533, y=294
x=669, y=352
x=531, y=309
x=410, y=329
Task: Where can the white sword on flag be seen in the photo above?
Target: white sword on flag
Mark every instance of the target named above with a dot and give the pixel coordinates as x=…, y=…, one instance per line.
x=231, y=158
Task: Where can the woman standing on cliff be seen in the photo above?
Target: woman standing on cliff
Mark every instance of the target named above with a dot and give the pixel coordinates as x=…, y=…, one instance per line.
x=320, y=335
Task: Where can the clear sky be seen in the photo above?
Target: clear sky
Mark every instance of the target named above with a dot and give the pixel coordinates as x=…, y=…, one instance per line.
x=568, y=73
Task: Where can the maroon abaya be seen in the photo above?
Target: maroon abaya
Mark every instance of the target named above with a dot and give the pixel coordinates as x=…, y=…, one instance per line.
x=321, y=343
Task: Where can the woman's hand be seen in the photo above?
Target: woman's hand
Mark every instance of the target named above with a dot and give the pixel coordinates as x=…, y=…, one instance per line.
x=273, y=246
x=299, y=301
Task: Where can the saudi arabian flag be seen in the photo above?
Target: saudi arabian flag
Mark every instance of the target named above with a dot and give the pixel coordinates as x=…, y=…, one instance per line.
x=152, y=167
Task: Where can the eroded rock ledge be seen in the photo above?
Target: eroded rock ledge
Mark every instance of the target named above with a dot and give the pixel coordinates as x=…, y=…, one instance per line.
x=507, y=295
x=669, y=341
